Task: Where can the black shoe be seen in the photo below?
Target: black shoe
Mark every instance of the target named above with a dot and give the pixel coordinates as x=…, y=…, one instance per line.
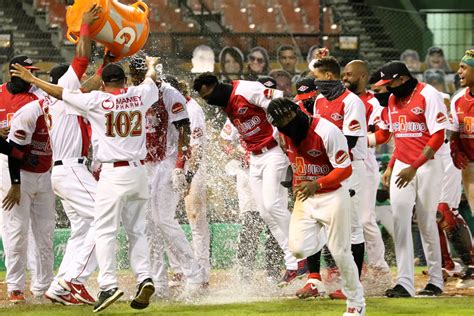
x=145, y=291
x=430, y=290
x=106, y=298
x=397, y=291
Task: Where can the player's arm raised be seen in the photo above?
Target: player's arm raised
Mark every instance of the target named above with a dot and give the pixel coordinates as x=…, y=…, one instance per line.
x=51, y=89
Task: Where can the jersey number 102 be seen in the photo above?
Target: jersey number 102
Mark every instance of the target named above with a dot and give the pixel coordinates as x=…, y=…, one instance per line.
x=123, y=124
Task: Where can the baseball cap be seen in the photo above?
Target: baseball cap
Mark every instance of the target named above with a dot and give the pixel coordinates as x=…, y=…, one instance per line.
x=267, y=81
x=305, y=89
x=392, y=70
x=23, y=60
x=113, y=73
x=57, y=72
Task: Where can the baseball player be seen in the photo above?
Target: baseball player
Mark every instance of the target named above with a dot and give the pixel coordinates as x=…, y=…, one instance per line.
x=116, y=117
x=344, y=109
x=355, y=77
x=462, y=140
x=245, y=103
x=417, y=119
x=195, y=194
x=306, y=93
x=320, y=159
x=167, y=139
x=71, y=180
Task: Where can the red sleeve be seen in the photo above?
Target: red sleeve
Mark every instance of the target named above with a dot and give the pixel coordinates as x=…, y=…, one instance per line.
x=382, y=136
x=391, y=163
x=79, y=64
x=335, y=177
x=435, y=143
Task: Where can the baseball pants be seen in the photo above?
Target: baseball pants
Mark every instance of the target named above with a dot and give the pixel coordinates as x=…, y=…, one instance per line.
x=451, y=190
x=196, y=210
x=267, y=170
x=424, y=191
x=326, y=219
x=357, y=183
x=164, y=229
x=76, y=187
x=372, y=235
x=122, y=194
x=36, y=208
x=468, y=181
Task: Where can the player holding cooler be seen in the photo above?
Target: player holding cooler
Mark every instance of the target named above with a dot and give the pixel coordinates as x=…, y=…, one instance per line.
x=417, y=117
x=116, y=117
x=319, y=155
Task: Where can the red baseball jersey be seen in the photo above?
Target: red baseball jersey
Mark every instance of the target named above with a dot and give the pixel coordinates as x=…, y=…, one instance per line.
x=413, y=121
x=28, y=128
x=348, y=113
x=462, y=112
x=323, y=149
x=246, y=110
x=10, y=103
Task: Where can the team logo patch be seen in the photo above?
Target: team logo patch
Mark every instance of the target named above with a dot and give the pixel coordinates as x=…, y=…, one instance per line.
x=227, y=129
x=341, y=156
x=337, y=116
x=20, y=134
x=268, y=93
x=177, y=107
x=377, y=120
x=108, y=104
x=242, y=110
x=268, y=84
x=354, y=126
x=303, y=88
x=197, y=132
x=440, y=118
x=314, y=153
x=417, y=110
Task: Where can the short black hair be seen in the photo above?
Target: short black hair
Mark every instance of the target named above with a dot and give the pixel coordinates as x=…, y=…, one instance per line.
x=172, y=80
x=285, y=47
x=207, y=79
x=328, y=64
x=57, y=72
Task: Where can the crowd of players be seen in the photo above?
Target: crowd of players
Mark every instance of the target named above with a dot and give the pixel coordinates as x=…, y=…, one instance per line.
x=152, y=129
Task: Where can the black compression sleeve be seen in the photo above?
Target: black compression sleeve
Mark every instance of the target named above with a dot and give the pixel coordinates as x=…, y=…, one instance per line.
x=351, y=141
x=182, y=122
x=14, y=166
x=5, y=147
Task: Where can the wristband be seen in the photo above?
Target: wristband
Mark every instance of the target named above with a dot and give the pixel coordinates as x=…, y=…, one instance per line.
x=84, y=30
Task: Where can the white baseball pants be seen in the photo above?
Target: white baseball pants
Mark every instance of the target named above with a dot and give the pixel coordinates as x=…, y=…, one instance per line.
x=163, y=228
x=122, y=194
x=76, y=187
x=451, y=189
x=267, y=170
x=326, y=219
x=37, y=209
x=424, y=191
x=357, y=183
x=373, y=237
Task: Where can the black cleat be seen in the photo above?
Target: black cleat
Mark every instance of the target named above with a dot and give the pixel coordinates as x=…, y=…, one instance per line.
x=145, y=291
x=430, y=290
x=107, y=298
x=397, y=291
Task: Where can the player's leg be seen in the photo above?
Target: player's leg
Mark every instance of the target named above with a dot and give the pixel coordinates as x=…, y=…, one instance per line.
x=428, y=183
x=42, y=218
x=402, y=201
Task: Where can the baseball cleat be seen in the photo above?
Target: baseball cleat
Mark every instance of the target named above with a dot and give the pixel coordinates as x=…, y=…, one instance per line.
x=145, y=291
x=16, y=296
x=291, y=275
x=78, y=290
x=430, y=290
x=397, y=291
x=466, y=282
x=355, y=311
x=64, y=299
x=107, y=298
x=313, y=287
x=337, y=295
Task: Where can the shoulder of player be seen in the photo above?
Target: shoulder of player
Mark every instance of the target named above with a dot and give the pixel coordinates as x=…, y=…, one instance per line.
x=249, y=89
x=352, y=100
x=29, y=112
x=325, y=128
x=458, y=95
x=428, y=91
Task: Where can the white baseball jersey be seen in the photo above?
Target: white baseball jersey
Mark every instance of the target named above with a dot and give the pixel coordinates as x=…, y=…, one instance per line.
x=161, y=135
x=68, y=132
x=116, y=119
x=229, y=132
x=347, y=112
x=198, y=123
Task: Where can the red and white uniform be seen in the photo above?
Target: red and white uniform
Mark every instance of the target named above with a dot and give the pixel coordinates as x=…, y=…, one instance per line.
x=412, y=123
x=268, y=164
x=162, y=153
x=462, y=112
x=72, y=182
x=372, y=235
x=36, y=208
x=325, y=217
x=117, y=121
x=348, y=113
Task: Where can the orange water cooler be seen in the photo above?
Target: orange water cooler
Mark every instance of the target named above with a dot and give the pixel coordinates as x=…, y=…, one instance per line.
x=122, y=29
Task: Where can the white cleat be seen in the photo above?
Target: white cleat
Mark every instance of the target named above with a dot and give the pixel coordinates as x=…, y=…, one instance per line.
x=355, y=311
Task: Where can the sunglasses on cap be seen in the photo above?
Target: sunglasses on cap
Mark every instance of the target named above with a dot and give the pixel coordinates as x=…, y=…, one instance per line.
x=259, y=60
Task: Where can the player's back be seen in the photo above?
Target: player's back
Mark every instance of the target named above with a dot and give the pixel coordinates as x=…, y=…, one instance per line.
x=10, y=103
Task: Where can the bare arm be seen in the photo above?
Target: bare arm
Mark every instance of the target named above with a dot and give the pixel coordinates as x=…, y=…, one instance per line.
x=83, y=47
x=51, y=89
